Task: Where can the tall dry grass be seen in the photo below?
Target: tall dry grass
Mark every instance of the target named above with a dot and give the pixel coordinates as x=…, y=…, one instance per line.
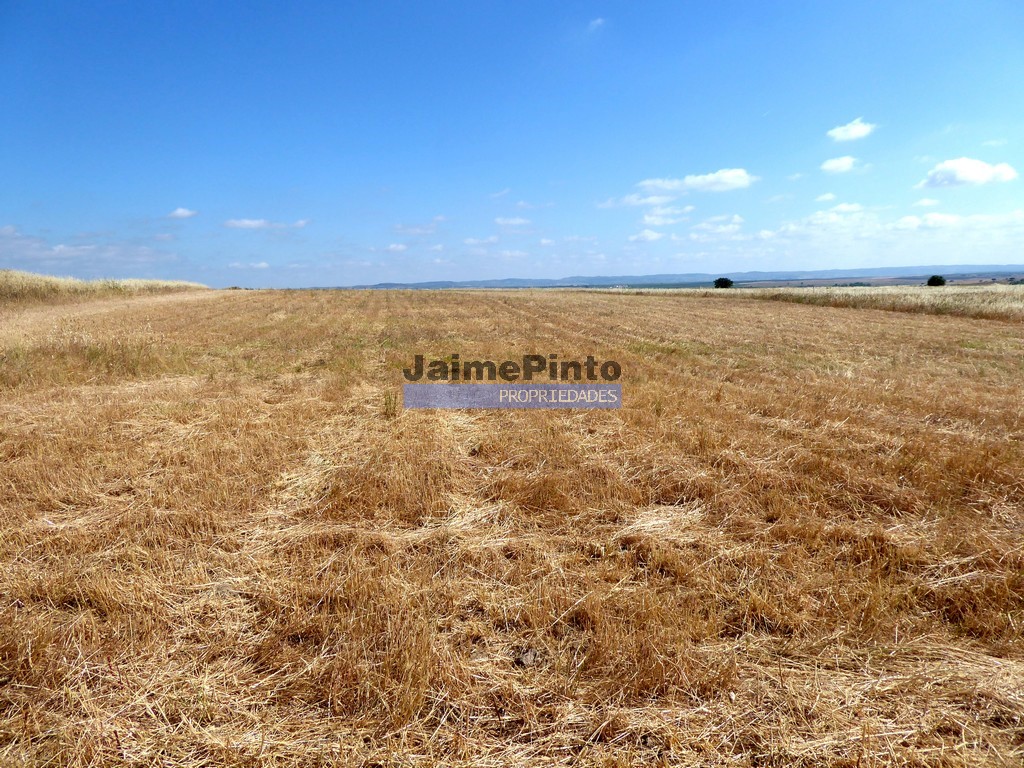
x=993, y=302
x=799, y=542
x=18, y=286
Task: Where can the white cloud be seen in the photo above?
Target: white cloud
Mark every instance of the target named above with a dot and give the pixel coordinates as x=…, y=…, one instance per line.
x=249, y=265
x=397, y=248
x=515, y=221
x=839, y=164
x=436, y=248
x=827, y=197
x=848, y=208
x=595, y=24
x=546, y=241
x=857, y=129
x=500, y=193
x=646, y=236
x=481, y=241
x=994, y=143
x=966, y=170
x=514, y=254
x=181, y=213
x=720, y=181
x=926, y=202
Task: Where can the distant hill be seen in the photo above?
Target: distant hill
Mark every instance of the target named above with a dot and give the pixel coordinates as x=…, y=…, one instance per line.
x=697, y=279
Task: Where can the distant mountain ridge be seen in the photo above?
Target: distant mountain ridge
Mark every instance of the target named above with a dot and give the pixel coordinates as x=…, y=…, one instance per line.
x=700, y=278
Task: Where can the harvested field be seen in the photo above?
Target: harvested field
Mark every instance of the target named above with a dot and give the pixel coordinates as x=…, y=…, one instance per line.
x=798, y=543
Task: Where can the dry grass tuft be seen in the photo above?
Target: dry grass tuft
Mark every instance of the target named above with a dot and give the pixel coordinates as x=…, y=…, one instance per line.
x=224, y=543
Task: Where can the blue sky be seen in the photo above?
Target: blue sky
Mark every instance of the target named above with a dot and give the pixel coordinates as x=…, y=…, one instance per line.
x=300, y=144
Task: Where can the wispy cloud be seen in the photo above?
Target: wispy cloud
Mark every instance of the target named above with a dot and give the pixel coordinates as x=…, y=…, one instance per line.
x=828, y=196
x=926, y=202
x=992, y=224
x=595, y=24
x=724, y=180
x=856, y=129
x=928, y=221
x=663, y=216
x=636, y=200
x=182, y=213
x=646, y=236
x=248, y=224
x=263, y=224
x=842, y=164
x=514, y=221
x=426, y=229
x=718, y=228
x=500, y=193
x=966, y=170
x=106, y=259
x=397, y=248
x=481, y=240
x=249, y=265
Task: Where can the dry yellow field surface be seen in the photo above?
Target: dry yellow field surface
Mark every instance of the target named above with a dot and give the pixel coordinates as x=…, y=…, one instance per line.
x=800, y=541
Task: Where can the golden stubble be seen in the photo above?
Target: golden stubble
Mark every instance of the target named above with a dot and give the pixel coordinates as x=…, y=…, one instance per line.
x=223, y=544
